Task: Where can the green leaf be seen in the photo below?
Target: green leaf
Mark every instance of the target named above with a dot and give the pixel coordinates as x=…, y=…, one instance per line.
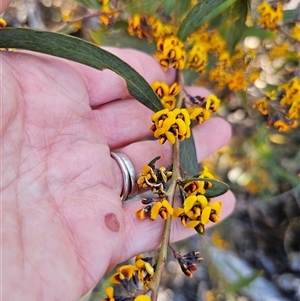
x=218, y=187
x=291, y=15
x=261, y=33
x=203, y=12
x=121, y=38
x=83, y=52
x=233, y=23
x=188, y=157
x=143, y=6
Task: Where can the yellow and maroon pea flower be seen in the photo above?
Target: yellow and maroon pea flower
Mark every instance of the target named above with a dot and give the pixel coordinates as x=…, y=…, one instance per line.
x=162, y=208
x=197, y=58
x=166, y=94
x=195, y=200
x=270, y=15
x=237, y=81
x=144, y=212
x=284, y=125
x=154, y=178
x=171, y=53
x=169, y=125
x=109, y=294
x=145, y=268
x=123, y=275
x=262, y=106
x=212, y=103
x=194, y=188
x=108, y=17
x=215, y=212
x=188, y=262
x=199, y=114
x=139, y=25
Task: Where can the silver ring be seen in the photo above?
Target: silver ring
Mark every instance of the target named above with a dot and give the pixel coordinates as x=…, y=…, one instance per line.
x=130, y=187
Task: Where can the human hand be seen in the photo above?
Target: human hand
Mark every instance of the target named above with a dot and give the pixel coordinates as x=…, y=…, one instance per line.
x=64, y=225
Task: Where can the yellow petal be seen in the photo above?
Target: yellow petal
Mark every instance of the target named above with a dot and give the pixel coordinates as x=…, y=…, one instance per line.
x=205, y=215
x=189, y=203
x=192, y=224
x=155, y=210
x=109, y=292
x=182, y=128
x=202, y=201
x=171, y=137
x=177, y=211
x=217, y=207
x=168, y=207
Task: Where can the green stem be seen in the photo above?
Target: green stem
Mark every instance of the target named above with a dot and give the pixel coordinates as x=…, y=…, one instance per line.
x=162, y=256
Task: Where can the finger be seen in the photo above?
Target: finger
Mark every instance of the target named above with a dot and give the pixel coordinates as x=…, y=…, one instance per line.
x=126, y=120
x=106, y=86
x=146, y=235
x=209, y=137
x=3, y=5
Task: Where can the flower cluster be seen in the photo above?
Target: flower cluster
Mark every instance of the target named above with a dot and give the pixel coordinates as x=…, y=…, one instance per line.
x=188, y=262
x=160, y=207
x=154, y=178
x=107, y=16
x=282, y=105
x=171, y=53
x=270, y=14
x=197, y=58
x=134, y=276
x=171, y=124
x=197, y=209
x=202, y=108
x=166, y=94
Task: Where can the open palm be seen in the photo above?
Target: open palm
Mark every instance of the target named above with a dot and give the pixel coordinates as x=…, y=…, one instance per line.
x=64, y=225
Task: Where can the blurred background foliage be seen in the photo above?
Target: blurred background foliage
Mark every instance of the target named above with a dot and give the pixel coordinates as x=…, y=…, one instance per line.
x=255, y=254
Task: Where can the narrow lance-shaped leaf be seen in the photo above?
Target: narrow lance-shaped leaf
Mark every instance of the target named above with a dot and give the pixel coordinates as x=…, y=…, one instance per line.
x=83, y=52
x=217, y=188
x=188, y=157
x=203, y=12
x=233, y=23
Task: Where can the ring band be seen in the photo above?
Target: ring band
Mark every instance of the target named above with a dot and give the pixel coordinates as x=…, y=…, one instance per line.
x=130, y=187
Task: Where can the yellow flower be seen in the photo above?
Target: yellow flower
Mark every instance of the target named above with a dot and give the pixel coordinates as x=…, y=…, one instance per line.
x=237, y=81
x=197, y=58
x=283, y=126
x=194, y=188
x=225, y=59
x=171, y=53
x=139, y=25
x=295, y=31
x=261, y=105
x=212, y=103
x=199, y=113
x=123, y=275
x=108, y=16
x=2, y=23
x=162, y=208
x=169, y=125
x=166, y=94
x=193, y=200
x=270, y=15
x=216, y=209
